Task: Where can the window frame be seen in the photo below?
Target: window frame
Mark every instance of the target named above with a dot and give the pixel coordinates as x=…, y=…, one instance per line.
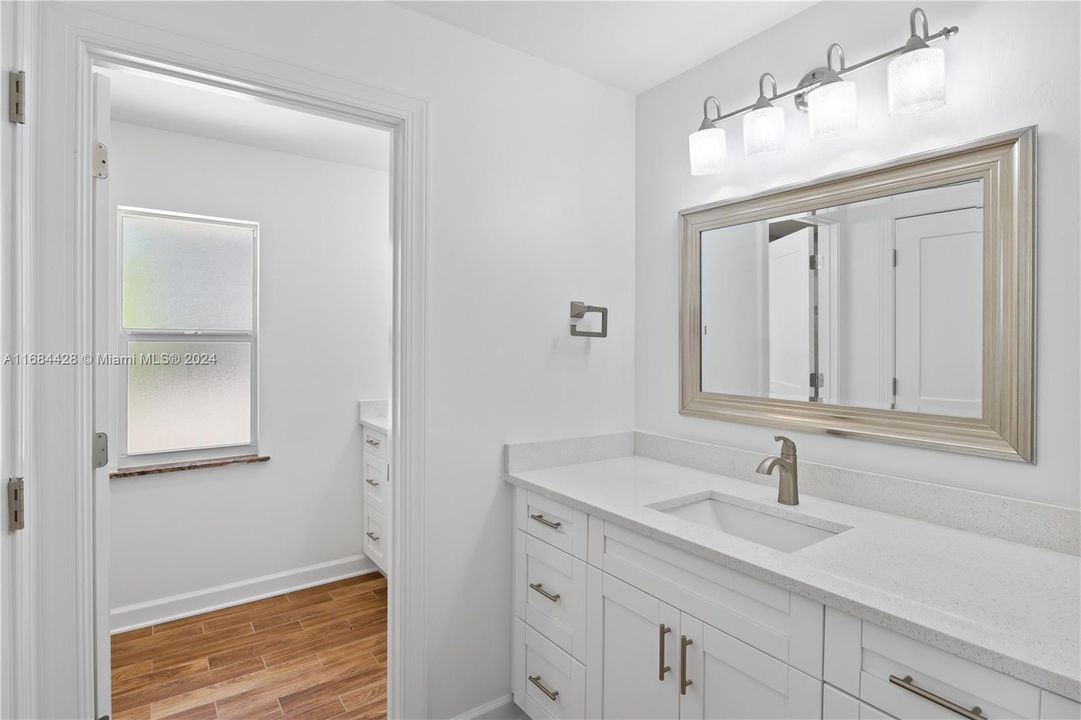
x=126, y=336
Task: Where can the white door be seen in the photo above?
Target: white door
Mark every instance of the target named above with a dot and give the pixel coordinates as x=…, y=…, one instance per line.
x=939, y=313
x=105, y=398
x=637, y=642
x=730, y=679
x=790, y=316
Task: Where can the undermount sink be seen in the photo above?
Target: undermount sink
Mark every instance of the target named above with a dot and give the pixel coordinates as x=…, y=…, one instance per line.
x=742, y=518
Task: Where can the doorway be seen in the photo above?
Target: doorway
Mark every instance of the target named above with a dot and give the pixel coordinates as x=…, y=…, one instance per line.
x=246, y=317
x=61, y=637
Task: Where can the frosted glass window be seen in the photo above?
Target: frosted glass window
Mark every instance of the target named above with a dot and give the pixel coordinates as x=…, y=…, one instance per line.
x=184, y=395
x=186, y=274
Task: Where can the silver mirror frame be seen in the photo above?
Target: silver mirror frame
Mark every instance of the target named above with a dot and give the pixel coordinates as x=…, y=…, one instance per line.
x=1007, y=165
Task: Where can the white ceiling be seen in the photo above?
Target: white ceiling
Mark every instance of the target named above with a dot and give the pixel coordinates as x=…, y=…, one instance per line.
x=161, y=102
x=629, y=45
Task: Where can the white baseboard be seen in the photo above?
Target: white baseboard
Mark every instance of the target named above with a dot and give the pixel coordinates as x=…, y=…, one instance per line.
x=152, y=612
x=487, y=708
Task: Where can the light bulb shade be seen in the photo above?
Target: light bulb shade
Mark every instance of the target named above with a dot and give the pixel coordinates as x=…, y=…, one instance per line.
x=831, y=108
x=917, y=81
x=763, y=130
x=708, y=151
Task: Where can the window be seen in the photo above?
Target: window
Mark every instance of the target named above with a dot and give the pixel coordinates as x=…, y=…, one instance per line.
x=189, y=313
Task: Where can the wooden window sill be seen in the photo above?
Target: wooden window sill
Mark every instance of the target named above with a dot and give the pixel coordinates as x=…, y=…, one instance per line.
x=137, y=470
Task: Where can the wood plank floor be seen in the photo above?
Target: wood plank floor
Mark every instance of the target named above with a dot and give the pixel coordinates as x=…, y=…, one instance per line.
x=312, y=654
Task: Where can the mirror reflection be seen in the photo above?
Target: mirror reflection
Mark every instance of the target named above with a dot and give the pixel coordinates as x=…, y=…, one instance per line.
x=873, y=304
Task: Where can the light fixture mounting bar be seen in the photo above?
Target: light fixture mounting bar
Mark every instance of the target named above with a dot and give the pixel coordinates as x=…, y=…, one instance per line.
x=812, y=78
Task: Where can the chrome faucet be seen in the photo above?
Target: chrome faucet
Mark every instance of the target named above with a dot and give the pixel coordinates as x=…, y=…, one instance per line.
x=788, y=489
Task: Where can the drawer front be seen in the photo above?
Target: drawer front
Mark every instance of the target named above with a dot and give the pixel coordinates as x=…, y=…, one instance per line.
x=376, y=492
x=375, y=538
x=375, y=443
x=910, y=679
x=547, y=681
x=553, y=522
x=836, y=705
x=550, y=593
x=775, y=621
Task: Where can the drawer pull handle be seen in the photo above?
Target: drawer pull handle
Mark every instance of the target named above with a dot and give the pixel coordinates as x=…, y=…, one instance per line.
x=684, y=683
x=908, y=684
x=545, y=521
x=536, y=680
x=371, y=482
x=539, y=587
x=372, y=442
x=662, y=669
x=372, y=536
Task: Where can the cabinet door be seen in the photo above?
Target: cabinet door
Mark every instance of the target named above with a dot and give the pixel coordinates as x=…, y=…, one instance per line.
x=728, y=678
x=632, y=653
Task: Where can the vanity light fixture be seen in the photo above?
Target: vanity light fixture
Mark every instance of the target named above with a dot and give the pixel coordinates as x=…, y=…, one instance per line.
x=831, y=105
x=917, y=82
x=917, y=77
x=708, y=144
x=763, y=127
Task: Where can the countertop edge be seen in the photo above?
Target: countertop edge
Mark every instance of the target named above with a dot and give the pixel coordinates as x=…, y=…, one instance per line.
x=1040, y=677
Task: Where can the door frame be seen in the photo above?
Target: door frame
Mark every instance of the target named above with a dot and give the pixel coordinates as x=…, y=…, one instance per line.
x=89, y=39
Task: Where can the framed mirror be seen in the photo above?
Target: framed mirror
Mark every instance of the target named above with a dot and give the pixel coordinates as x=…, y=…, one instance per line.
x=893, y=303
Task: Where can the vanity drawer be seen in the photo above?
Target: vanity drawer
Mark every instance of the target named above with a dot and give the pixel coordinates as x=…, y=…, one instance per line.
x=375, y=442
x=376, y=491
x=547, y=683
x=553, y=522
x=777, y=622
x=550, y=593
x=861, y=658
x=375, y=538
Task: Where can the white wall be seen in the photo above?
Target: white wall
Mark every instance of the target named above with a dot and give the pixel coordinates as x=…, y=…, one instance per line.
x=324, y=343
x=531, y=206
x=1012, y=65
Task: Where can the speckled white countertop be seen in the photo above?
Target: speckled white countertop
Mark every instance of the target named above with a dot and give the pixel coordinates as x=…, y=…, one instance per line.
x=1010, y=607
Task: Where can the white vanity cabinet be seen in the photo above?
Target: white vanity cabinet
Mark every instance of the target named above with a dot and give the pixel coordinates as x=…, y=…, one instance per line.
x=647, y=631
x=375, y=477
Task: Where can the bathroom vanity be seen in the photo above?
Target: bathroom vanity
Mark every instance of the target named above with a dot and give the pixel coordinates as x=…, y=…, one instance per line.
x=650, y=589
x=376, y=476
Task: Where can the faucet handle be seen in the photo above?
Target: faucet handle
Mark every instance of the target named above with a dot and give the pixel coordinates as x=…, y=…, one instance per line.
x=787, y=446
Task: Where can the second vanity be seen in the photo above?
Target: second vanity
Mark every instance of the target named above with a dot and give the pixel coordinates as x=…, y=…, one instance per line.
x=649, y=589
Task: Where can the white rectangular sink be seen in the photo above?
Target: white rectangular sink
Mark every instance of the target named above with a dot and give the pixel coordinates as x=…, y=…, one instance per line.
x=751, y=521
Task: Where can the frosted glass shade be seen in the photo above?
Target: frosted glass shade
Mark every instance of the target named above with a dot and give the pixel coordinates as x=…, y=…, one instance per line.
x=708, y=151
x=763, y=130
x=917, y=81
x=831, y=108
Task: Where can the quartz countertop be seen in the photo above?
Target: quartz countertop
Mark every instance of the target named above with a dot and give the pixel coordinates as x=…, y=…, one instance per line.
x=1007, y=606
x=380, y=423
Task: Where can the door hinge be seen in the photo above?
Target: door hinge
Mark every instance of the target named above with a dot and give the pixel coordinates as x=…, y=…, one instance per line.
x=101, y=450
x=16, y=504
x=895, y=258
x=817, y=380
x=101, y=161
x=895, y=387
x=813, y=262
x=17, y=96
